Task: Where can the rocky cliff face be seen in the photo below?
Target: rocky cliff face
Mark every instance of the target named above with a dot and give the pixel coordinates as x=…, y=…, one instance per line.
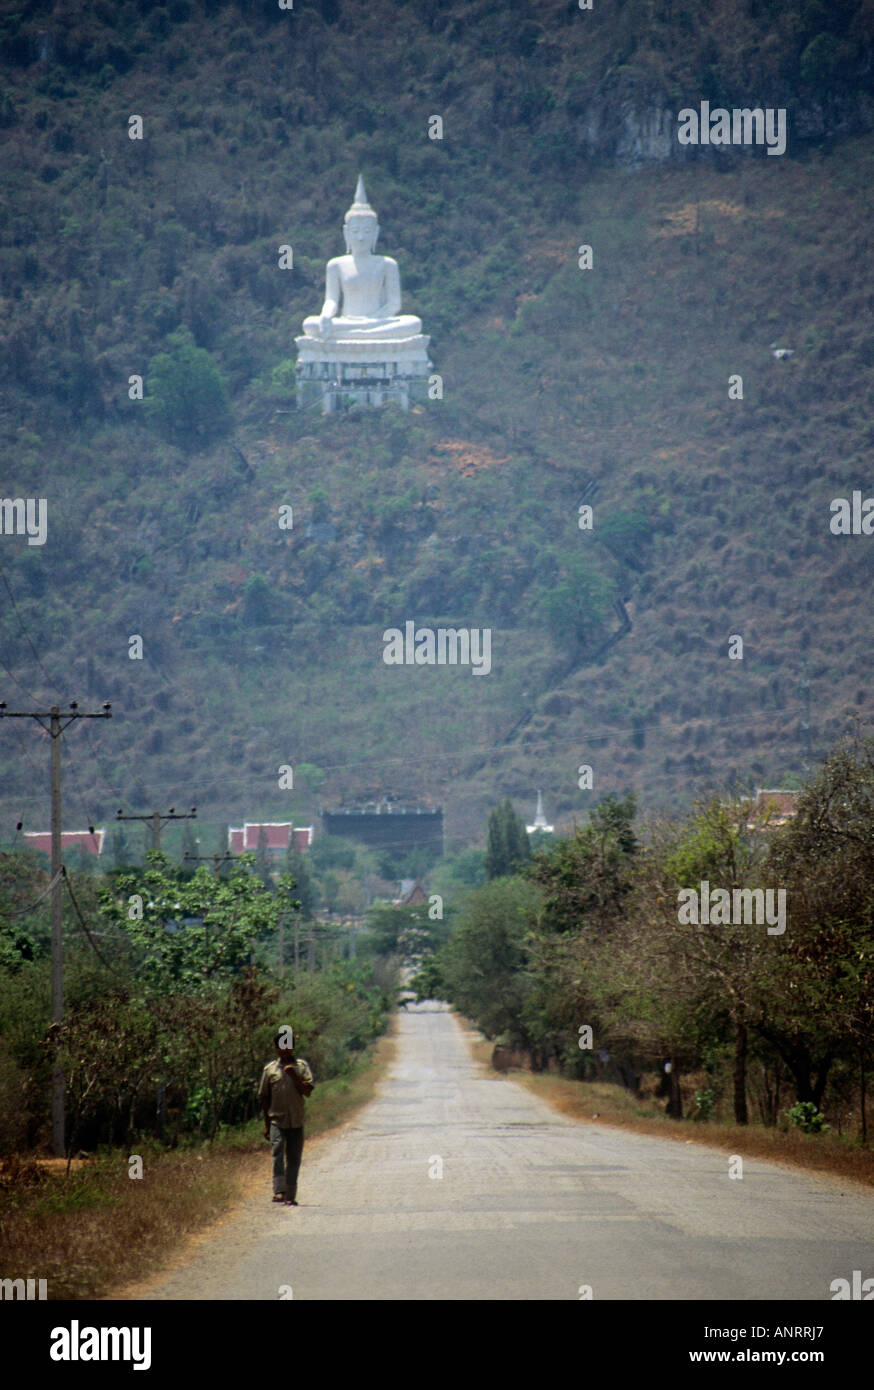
x=633, y=133
x=630, y=134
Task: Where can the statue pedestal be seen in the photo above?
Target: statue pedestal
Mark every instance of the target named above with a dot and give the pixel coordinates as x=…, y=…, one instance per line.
x=338, y=371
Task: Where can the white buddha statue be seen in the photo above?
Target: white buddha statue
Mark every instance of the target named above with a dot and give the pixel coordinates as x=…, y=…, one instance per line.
x=362, y=290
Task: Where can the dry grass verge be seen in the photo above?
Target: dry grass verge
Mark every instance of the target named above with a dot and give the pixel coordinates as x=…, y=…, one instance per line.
x=98, y=1228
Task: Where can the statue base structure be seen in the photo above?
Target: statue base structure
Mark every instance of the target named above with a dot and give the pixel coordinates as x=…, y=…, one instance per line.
x=340, y=372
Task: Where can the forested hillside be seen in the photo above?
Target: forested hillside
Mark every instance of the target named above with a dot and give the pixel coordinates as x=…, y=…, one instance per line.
x=562, y=386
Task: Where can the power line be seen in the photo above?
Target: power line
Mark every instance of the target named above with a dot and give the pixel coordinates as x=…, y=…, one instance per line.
x=23, y=911
x=215, y=859
x=82, y=922
x=155, y=819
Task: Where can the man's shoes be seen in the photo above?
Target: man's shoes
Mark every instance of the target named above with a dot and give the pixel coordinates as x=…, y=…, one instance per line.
x=290, y=1203
x=279, y=1197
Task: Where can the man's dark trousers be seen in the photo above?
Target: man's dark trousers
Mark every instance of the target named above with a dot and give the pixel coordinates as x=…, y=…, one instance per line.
x=290, y=1143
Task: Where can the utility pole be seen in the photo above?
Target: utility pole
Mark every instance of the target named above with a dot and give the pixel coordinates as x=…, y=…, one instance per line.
x=215, y=859
x=156, y=820
x=58, y=721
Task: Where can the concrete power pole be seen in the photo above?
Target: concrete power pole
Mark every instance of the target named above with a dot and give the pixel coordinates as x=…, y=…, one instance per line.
x=58, y=721
x=156, y=820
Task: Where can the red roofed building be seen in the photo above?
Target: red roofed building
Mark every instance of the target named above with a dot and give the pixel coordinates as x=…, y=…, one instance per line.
x=70, y=839
x=244, y=839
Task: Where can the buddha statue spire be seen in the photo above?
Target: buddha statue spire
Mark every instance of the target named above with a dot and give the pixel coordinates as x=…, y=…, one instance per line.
x=359, y=202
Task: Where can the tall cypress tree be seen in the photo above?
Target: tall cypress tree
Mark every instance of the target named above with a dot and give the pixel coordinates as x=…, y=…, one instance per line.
x=507, y=847
x=517, y=840
x=496, y=847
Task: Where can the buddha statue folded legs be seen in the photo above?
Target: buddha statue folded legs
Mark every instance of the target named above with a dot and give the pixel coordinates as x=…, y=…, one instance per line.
x=363, y=329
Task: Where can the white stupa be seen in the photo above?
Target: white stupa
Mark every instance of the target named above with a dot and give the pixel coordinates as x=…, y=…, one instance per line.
x=540, y=820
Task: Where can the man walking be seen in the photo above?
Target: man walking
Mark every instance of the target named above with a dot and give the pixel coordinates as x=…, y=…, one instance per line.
x=285, y=1083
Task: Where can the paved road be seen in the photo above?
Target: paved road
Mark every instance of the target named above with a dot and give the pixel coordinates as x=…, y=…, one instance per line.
x=531, y=1205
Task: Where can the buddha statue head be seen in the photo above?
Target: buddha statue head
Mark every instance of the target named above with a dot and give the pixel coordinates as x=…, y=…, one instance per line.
x=360, y=225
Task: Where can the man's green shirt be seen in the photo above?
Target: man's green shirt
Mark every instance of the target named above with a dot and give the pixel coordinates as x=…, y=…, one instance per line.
x=277, y=1087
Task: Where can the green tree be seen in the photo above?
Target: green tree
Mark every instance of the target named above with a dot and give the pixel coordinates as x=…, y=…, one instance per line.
x=485, y=963
x=576, y=605
x=428, y=982
x=719, y=847
x=24, y=909
x=192, y=931
x=507, y=847
x=626, y=534
x=331, y=852
x=404, y=931
x=819, y=986
x=468, y=868
x=588, y=876
x=586, y=882
x=187, y=396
